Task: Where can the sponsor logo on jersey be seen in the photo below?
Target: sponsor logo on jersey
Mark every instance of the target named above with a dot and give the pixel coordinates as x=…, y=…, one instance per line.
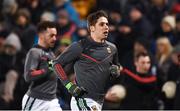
x=109, y=50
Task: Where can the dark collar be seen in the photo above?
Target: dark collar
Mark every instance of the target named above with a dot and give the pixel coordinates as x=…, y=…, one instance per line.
x=43, y=48
x=92, y=42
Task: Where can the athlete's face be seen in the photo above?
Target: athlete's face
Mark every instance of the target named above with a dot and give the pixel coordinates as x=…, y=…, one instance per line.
x=101, y=28
x=50, y=37
x=143, y=64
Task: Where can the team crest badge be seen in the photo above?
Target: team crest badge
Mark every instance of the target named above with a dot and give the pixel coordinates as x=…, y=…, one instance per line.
x=109, y=50
x=94, y=108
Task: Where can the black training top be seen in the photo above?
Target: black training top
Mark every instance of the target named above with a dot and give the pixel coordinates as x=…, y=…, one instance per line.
x=43, y=83
x=91, y=65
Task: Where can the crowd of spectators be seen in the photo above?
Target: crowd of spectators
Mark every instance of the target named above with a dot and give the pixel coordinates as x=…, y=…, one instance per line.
x=135, y=26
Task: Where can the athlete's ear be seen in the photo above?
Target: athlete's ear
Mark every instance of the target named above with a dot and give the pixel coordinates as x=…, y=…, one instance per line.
x=135, y=62
x=92, y=28
x=40, y=35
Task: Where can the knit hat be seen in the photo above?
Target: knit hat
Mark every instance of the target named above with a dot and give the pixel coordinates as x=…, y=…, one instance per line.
x=13, y=40
x=48, y=16
x=24, y=12
x=170, y=20
x=8, y=5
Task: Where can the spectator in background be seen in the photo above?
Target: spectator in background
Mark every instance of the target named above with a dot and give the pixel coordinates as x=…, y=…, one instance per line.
x=120, y=32
x=141, y=85
x=25, y=30
x=57, y=5
x=9, y=75
x=168, y=26
x=176, y=7
x=9, y=10
x=115, y=19
x=36, y=8
x=140, y=46
x=141, y=27
x=163, y=51
x=108, y=5
x=48, y=16
x=66, y=28
x=157, y=10
x=171, y=102
x=62, y=46
x=26, y=33
x=3, y=35
x=174, y=73
x=81, y=31
x=178, y=28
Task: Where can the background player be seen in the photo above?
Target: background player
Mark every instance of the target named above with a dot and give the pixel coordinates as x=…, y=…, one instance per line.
x=42, y=91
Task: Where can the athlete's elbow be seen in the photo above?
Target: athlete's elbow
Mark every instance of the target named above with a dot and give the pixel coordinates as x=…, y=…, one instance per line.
x=26, y=78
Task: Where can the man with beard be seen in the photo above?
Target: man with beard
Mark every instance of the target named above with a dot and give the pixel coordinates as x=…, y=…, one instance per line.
x=43, y=82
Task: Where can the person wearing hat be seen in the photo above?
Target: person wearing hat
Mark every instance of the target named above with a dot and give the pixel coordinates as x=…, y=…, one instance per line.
x=168, y=26
x=9, y=74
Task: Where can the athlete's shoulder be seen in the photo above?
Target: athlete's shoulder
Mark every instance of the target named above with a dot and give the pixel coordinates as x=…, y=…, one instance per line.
x=74, y=47
x=111, y=44
x=35, y=52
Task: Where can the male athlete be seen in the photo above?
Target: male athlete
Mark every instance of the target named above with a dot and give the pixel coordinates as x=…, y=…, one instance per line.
x=92, y=58
x=43, y=82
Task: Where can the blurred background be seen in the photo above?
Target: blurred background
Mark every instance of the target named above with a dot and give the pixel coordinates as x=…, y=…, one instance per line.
x=136, y=26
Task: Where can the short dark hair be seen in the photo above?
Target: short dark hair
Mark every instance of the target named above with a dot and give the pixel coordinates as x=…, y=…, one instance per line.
x=93, y=17
x=142, y=54
x=42, y=26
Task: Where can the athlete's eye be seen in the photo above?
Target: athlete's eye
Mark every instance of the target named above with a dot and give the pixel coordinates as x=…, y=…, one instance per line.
x=103, y=23
x=52, y=35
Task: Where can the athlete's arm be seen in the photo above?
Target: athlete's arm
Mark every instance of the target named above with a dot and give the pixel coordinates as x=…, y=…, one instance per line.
x=115, y=68
x=71, y=54
x=35, y=66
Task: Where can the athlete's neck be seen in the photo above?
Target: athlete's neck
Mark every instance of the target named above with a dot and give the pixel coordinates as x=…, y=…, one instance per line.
x=40, y=43
x=96, y=39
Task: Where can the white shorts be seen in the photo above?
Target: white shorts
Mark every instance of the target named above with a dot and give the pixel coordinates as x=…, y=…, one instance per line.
x=84, y=104
x=29, y=103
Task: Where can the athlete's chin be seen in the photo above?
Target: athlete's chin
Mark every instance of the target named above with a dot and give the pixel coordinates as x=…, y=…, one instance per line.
x=52, y=45
x=105, y=38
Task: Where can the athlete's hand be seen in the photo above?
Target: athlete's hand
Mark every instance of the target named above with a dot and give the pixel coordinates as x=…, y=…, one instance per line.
x=75, y=90
x=45, y=64
x=115, y=70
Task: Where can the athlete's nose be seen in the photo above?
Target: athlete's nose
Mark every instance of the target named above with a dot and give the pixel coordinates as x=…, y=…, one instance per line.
x=54, y=38
x=107, y=27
